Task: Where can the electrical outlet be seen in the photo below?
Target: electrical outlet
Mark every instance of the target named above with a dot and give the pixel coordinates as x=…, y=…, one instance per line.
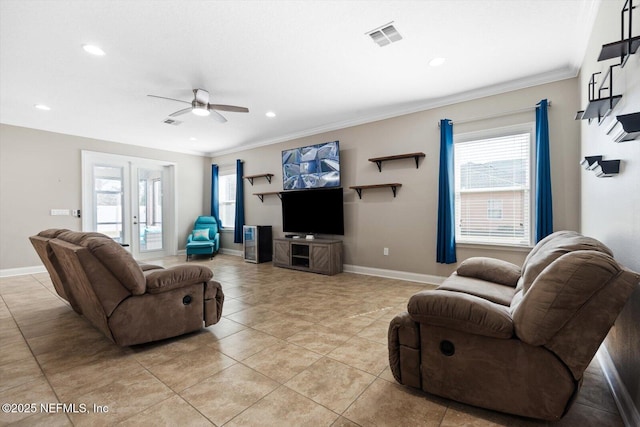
x=385, y=251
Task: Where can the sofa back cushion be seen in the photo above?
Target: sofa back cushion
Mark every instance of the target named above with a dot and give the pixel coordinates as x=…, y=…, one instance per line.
x=553, y=247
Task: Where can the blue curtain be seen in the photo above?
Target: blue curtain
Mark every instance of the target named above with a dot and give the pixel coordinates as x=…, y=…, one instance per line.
x=237, y=236
x=446, y=245
x=544, y=206
x=215, y=199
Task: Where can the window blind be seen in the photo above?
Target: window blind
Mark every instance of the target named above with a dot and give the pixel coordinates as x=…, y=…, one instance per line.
x=493, y=190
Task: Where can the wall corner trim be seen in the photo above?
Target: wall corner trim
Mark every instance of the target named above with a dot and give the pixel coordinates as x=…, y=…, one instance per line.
x=628, y=411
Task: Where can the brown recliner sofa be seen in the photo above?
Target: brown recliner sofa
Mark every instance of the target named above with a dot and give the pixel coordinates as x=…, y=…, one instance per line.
x=513, y=339
x=130, y=302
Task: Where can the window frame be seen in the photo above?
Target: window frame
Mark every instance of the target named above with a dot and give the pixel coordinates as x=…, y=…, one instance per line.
x=498, y=132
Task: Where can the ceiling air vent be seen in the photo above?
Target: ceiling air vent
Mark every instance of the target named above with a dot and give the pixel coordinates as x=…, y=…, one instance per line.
x=385, y=35
x=172, y=122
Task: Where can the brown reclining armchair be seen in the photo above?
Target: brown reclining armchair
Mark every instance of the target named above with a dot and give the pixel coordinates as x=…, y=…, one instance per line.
x=130, y=302
x=512, y=339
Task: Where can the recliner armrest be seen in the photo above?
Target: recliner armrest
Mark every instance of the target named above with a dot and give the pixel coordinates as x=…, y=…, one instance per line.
x=159, y=281
x=462, y=312
x=491, y=270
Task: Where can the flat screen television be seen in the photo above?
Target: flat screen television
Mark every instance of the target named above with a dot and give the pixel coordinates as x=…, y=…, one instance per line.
x=313, y=166
x=316, y=211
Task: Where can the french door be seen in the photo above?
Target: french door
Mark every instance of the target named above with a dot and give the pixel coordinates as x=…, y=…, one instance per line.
x=131, y=200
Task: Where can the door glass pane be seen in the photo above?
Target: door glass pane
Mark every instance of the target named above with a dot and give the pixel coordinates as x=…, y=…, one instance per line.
x=150, y=209
x=108, y=201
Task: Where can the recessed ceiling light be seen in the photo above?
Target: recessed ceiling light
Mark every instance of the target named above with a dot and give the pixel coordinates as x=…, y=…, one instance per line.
x=94, y=50
x=270, y=114
x=436, y=62
x=193, y=139
x=42, y=107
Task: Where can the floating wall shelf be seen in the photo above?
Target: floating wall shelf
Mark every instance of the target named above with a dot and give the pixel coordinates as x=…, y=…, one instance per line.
x=378, y=160
x=394, y=187
x=599, y=107
x=262, y=175
x=589, y=161
x=626, y=128
x=628, y=44
x=602, y=168
x=619, y=49
x=270, y=193
x=607, y=168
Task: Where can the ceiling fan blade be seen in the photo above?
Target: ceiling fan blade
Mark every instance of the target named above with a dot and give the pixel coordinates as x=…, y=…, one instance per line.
x=217, y=116
x=180, y=112
x=170, y=99
x=201, y=96
x=232, y=108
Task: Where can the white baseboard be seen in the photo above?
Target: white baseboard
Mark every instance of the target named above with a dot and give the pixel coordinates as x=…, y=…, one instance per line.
x=8, y=272
x=369, y=271
x=233, y=252
x=628, y=411
x=393, y=274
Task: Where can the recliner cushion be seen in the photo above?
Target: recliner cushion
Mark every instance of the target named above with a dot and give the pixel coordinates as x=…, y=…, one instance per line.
x=494, y=292
x=554, y=249
x=176, y=277
x=118, y=261
x=559, y=292
x=491, y=270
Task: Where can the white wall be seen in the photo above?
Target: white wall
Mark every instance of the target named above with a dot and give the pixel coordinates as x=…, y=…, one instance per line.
x=407, y=224
x=610, y=208
x=40, y=171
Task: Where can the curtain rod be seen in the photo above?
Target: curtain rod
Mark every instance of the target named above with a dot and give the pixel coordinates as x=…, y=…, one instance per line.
x=493, y=116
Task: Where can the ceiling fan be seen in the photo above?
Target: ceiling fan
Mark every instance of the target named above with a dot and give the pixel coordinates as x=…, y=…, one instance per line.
x=200, y=106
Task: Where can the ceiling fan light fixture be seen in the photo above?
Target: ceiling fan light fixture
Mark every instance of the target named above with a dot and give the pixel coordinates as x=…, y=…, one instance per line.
x=200, y=111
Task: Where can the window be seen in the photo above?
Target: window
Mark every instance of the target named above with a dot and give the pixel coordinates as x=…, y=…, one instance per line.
x=227, y=199
x=108, y=202
x=493, y=188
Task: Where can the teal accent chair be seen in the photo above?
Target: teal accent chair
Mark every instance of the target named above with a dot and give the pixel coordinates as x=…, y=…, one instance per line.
x=198, y=242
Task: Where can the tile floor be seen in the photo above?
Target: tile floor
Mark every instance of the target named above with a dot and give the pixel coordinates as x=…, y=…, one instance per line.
x=292, y=349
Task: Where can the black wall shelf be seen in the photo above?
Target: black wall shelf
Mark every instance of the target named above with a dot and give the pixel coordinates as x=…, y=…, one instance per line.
x=394, y=187
x=378, y=160
x=619, y=49
x=262, y=175
x=270, y=193
x=628, y=44
x=601, y=168
x=600, y=106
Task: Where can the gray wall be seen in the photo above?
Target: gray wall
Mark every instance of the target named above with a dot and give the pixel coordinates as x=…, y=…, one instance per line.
x=611, y=206
x=407, y=224
x=40, y=171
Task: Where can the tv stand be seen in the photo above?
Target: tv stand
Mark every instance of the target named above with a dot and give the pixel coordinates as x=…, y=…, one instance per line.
x=316, y=256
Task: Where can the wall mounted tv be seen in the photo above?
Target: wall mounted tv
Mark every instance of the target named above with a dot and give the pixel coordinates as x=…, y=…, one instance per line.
x=316, y=211
x=314, y=166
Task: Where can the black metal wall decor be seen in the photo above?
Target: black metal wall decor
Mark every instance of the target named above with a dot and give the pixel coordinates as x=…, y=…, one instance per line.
x=602, y=100
x=624, y=47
